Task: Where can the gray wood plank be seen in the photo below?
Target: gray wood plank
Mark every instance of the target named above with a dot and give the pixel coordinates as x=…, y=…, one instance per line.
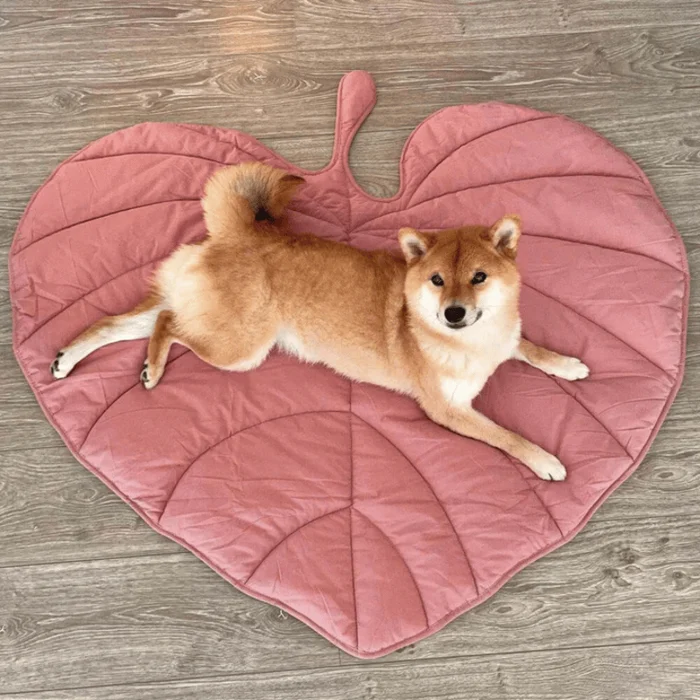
x=88, y=623
x=144, y=618
x=52, y=509
x=665, y=671
x=422, y=21
x=250, y=26
x=138, y=26
x=662, y=142
x=259, y=92
x=22, y=423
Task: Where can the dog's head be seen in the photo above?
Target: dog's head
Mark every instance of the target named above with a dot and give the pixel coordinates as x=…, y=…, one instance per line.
x=459, y=276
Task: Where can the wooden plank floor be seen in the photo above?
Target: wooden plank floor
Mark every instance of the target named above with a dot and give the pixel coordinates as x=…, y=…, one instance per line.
x=95, y=605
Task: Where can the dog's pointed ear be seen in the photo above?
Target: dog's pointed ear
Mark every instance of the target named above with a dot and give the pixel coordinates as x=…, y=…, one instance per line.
x=505, y=234
x=415, y=244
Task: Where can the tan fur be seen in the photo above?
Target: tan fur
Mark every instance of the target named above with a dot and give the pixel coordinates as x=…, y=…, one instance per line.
x=369, y=315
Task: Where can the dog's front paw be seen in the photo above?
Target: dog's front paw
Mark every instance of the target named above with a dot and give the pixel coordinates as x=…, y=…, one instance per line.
x=61, y=367
x=571, y=369
x=547, y=466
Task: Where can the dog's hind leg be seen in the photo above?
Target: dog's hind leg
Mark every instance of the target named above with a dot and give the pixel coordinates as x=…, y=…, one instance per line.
x=162, y=338
x=235, y=357
x=137, y=323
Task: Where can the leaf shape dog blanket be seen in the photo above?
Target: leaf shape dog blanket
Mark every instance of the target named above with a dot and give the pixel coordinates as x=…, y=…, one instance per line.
x=339, y=502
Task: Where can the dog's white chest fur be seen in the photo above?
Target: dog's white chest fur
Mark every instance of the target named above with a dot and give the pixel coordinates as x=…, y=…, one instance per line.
x=461, y=391
x=466, y=373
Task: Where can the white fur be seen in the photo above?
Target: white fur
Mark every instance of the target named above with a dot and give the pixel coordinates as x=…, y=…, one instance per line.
x=255, y=360
x=429, y=307
x=486, y=344
x=573, y=369
x=491, y=301
x=461, y=392
x=547, y=466
x=479, y=361
x=130, y=328
x=290, y=342
x=569, y=368
x=186, y=289
x=492, y=298
x=507, y=228
x=412, y=244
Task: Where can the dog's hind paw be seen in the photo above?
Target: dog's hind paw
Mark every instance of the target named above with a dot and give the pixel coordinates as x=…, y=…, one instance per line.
x=60, y=367
x=148, y=378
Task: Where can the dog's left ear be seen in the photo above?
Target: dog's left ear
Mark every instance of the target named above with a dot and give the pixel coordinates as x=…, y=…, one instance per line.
x=415, y=244
x=505, y=234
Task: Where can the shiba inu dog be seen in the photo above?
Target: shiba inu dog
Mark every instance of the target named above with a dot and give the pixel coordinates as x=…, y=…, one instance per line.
x=434, y=325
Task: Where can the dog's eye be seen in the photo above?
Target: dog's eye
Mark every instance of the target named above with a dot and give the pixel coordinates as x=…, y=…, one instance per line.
x=437, y=280
x=478, y=278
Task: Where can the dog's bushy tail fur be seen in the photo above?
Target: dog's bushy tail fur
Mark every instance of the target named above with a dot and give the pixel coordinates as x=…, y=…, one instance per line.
x=238, y=197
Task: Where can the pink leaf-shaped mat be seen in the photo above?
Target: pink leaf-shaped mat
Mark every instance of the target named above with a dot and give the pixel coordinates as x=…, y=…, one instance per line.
x=342, y=503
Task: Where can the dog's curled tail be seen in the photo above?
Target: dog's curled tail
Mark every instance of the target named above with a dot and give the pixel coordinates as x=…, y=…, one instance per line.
x=239, y=196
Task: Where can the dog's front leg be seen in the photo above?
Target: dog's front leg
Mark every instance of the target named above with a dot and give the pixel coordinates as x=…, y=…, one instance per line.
x=570, y=368
x=466, y=421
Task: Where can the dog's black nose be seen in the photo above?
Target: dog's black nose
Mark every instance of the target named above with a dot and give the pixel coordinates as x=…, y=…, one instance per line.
x=455, y=314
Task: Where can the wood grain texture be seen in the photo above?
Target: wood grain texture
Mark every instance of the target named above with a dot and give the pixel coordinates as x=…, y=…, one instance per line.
x=606, y=588
x=258, y=92
x=652, y=672
x=93, y=604
x=54, y=510
x=350, y=25
x=128, y=620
